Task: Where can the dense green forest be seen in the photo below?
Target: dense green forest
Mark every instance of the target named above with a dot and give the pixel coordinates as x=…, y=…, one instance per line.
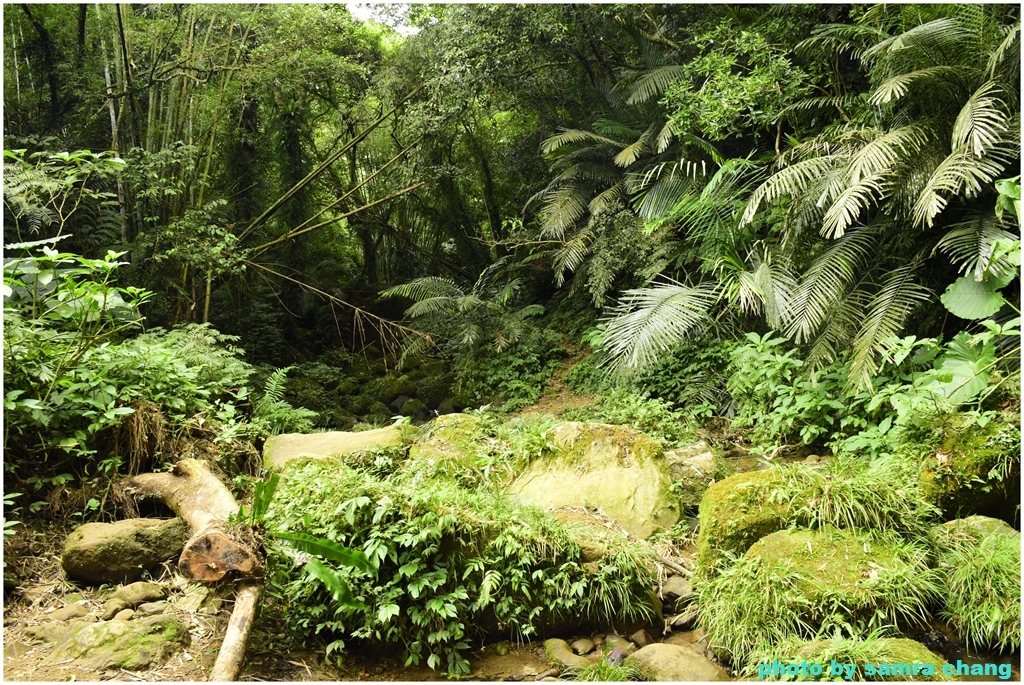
x=785, y=230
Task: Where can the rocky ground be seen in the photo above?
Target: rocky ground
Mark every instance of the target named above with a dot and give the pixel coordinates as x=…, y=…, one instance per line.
x=158, y=626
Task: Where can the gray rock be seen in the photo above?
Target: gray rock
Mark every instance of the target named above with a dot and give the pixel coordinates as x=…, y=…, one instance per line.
x=583, y=646
x=47, y=632
x=677, y=592
x=616, y=656
x=132, y=645
x=119, y=552
x=124, y=615
x=676, y=663
x=617, y=641
x=69, y=612
x=686, y=620
x=616, y=468
x=693, y=469
x=198, y=600
x=560, y=655
x=151, y=608
x=14, y=650
x=135, y=594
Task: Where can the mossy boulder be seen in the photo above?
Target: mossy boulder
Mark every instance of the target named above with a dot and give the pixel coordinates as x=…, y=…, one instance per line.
x=415, y=409
x=306, y=392
x=737, y=512
x=451, y=440
x=694, y=468
x=661, y=662
x=970, y=530
x=432, y=390
x=854, y=574
x=879, y=659
x=974, y=469
x=120, y=552
x=615, y=468
x=279, y=450
x=131, y=645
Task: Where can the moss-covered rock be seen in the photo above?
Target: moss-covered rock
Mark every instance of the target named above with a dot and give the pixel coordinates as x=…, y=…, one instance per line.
x=794, y=583
x=737, y=512
x=852, y=574
x=879, y=659
x=306, y=392
x=121, y=551
x=131, y=645
x=615, y=468
x=279, y=450
x=432, y=390
x=387, y=388
x=974, y=469
x=452, y=441
x=415, y=409
x=969, y=531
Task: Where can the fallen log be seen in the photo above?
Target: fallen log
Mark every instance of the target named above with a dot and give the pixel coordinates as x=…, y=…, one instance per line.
x=192, y=491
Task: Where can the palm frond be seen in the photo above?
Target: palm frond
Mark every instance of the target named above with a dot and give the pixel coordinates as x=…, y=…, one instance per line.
x=647, y=322
x=562, y=209
x=982, y=120
x=654, y=83
x=850, y=203
x=1006, y=57
x=424, y=288
x=608, y=198
x=574, y=136
x=969, y=243
x=632, y=152
x=788, y=181
x=961, y=172
x=826, y=280
x=942, y=76
x=569, y=257
x=886, y=314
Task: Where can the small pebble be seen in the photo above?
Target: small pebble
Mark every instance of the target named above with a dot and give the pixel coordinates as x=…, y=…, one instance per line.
x=641, y=638
x=124, y=615
x=151, y=608
x=111, y=607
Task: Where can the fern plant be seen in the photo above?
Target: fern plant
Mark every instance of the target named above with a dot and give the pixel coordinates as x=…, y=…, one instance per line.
x=273, y=414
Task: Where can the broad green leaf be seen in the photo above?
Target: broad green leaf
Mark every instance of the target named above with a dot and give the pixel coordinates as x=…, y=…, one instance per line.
x=335, y=584
x=331, y=551
x=971, y=299
x=964, y=370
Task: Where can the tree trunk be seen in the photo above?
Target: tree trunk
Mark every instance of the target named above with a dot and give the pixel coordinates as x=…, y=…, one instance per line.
x=196, y=495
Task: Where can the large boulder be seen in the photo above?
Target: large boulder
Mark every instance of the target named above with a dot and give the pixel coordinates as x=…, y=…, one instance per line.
x=968, y=530
x=450, y=438
x=281, y=449
x=873, y=576
x=131, y=645
x=737, y=512
x=617, y=469
x=120, y=552
x=676, y=663
x=974, y=469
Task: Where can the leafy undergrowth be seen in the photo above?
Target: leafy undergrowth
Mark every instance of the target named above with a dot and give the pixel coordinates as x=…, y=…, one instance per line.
x=451, y=564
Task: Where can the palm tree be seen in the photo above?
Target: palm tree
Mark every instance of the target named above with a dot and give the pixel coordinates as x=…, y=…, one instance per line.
x=906, y=173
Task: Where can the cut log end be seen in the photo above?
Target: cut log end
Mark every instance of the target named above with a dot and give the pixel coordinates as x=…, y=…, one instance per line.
x=210, y=556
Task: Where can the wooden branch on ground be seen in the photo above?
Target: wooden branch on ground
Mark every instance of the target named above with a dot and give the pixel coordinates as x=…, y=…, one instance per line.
x=198, y=496
x=678, y=568
x=232, y=648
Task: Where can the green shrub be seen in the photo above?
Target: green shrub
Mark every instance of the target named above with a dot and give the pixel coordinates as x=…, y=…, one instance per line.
x=654, y=417
x=693, y=376
x=452, y=564
x=982, y=590
x=516, y=376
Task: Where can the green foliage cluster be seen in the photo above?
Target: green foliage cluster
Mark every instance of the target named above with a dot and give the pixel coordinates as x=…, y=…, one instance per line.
x=516, y=376
x=451, y=564
x=652, y=416
x=982, y=590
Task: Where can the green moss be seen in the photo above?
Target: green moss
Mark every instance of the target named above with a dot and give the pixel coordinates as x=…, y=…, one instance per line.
x=387, y=388
x=883, y=655
x=737, y=512
x=974, y=468
x=802, y=583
